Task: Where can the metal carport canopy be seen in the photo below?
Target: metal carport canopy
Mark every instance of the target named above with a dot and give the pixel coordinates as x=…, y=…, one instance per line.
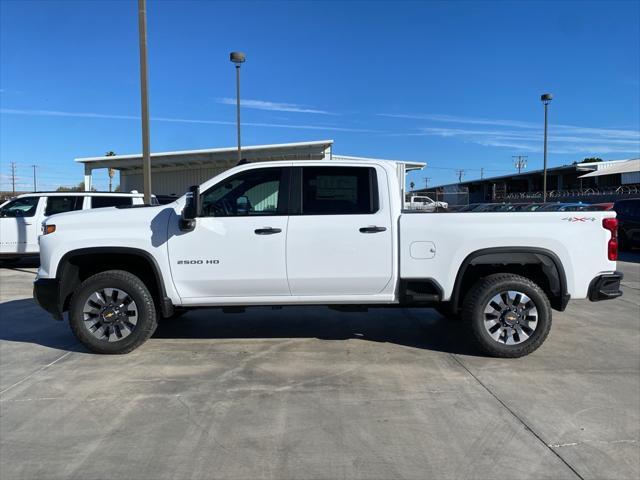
x=622, y=167
x=316, y=150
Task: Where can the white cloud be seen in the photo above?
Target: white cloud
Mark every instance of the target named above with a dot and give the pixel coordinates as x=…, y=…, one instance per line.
x=58, y=113
x=273, y=106
x=528, y=136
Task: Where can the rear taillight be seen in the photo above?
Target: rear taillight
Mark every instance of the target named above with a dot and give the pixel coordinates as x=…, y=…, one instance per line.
x=611, y=224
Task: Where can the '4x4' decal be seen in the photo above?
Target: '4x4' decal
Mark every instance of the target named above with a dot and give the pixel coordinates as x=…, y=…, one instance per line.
x=579, y=219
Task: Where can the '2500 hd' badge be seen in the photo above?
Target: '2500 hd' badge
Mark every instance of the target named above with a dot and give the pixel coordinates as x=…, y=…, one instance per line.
x=198, y=262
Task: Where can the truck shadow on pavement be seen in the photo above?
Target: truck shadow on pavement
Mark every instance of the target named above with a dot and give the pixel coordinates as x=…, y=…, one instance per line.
x=24, y=321
x=417, y=328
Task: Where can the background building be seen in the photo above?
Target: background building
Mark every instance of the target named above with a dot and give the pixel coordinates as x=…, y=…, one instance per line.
x=587, y=182
x=173, y=173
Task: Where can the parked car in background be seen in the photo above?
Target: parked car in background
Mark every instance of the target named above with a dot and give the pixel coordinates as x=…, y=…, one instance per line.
x=424, y=204
x=466, y=208
x=628, y=222
x=528, y=207
x=601, y=207
x=21, y=217
x=489, y=207
x=564, y=207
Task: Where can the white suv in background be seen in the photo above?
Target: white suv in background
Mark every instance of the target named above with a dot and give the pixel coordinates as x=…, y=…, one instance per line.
x=21, y=217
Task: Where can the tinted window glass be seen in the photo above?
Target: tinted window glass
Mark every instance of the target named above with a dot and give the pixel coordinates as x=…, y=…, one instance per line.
x=63, y=204
x=256, y=192
x=101, y=202
x=339, y=190
x=20, y=207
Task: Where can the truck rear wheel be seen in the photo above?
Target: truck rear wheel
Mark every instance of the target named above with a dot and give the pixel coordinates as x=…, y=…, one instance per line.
x=112, y=312
x=510, y=315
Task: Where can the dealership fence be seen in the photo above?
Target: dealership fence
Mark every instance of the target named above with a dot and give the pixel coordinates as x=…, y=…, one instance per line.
x=584, y=194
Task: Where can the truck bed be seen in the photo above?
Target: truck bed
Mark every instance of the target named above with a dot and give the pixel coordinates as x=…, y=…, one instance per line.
x=437, y=245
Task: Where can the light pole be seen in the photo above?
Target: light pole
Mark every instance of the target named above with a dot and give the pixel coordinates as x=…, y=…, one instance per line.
x=546, y=99
x=238, y=58
x=144, y=100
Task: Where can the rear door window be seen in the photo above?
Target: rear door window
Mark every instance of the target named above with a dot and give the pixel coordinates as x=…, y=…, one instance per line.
x=101, y=202
x=61, y=204
x=339, y=191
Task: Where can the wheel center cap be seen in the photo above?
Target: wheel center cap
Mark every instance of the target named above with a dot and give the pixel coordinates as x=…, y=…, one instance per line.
x=511, y=318
x=110, y=315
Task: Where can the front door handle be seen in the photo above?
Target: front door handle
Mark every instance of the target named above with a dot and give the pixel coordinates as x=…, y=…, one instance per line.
x=267, y=231
x=372, y=229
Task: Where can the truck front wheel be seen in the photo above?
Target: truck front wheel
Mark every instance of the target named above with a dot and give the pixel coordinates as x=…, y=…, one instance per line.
x=112, y=312
x=510, y=315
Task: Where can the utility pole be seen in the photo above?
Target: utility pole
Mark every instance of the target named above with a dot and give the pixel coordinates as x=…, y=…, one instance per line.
x=426, y=182
x=460, y=173
x=481, y=173
x=545, y=98
x=520, y=162
x=144, y=98
x=35, y=184
x=13, y=177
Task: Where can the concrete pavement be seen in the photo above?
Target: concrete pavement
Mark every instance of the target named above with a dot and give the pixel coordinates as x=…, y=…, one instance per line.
x=309, y=393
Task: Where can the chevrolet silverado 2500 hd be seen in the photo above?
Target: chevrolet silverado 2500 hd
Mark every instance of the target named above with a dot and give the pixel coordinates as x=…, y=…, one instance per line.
x=320, y=233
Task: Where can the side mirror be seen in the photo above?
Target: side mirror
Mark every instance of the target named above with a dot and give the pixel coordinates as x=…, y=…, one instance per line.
x=191, y=209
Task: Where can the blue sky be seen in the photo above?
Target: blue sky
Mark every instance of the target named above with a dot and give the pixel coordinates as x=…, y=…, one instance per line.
x=455, y=84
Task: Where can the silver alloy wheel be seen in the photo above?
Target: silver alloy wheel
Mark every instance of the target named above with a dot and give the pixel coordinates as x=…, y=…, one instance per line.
x=110, y=314
x=510, y=317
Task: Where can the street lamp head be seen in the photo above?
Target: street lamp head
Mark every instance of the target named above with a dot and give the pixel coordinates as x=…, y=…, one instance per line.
x=237, y=58
x=546, y=98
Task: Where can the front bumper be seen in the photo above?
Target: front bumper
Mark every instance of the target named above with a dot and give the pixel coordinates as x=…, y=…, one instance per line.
x=46, y=291
x=605, y=287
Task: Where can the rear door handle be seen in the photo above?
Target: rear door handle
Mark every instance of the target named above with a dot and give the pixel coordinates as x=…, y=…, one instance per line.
x=372, y=229
x=267, y=231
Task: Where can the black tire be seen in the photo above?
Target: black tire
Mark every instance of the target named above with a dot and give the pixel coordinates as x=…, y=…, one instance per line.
x=9, y=261
x=479, y=297
x=136, y=289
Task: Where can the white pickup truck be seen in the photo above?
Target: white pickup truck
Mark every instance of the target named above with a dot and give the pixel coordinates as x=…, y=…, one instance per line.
x=21, y=217
x=425, y=204
x=320, y=233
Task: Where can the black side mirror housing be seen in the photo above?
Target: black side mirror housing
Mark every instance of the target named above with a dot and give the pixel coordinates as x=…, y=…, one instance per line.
x=191, y=209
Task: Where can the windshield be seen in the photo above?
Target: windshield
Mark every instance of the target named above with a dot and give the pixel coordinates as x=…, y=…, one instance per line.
x=20, y=207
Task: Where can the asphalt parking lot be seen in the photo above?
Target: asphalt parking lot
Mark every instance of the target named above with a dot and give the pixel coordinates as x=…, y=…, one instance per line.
x=310, y=393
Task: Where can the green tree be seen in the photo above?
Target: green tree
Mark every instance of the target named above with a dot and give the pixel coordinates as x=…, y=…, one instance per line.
x=77, y=188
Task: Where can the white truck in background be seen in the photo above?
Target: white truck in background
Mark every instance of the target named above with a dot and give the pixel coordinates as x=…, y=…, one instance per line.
x=21, y=217
x=425, y=204
x=320, y=233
